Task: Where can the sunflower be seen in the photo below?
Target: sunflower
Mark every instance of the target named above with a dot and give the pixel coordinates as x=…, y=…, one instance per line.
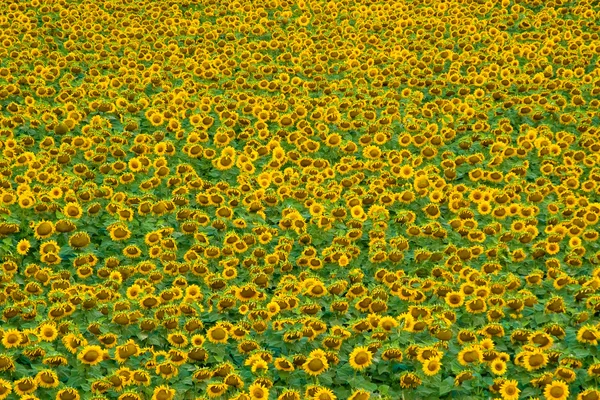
x=258, y=392
x=470, y=354
x=43, y=229
x=454, y=299
x=91, y=355
x=359, y=394
x=589, y=394
x=315, y=366
x=130, y=395
x=5, y=389
x=557, y=390
x=409, y=380
x=25, y=386
x=166, y=370
x=11, y=338
x=109, y=340
x=72, y=210
x=216, y=389
x=283, y=364
x=79, y=240
x=217, y=334
x=23, y=246
x=534, y=360
x=259, y=365
x=324, y=394
x=49, y=247
x=498, y=367
x=47, y=378
x=509, y=390
x=360, y=358
x=432, y=366
x=48, y=332
x=163, y=392
x=289, y=394
x=51, y=258
x=132, y=251
x=234, y=380
x=588, y=334
x=119, y=232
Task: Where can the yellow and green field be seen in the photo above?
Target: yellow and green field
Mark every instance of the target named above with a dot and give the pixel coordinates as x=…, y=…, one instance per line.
x=286, y=200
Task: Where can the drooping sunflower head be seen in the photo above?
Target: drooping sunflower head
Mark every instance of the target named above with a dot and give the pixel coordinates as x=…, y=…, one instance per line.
x=43, y=229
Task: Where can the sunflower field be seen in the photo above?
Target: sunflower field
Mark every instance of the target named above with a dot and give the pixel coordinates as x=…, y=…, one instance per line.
x=299, y=199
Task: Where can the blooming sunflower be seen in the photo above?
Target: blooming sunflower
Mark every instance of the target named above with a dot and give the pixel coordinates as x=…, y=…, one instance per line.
x=315, y=366
x=43, y=229
x=432, y=366
x=217, y=334
x=79, y=240
x=72, y=210
x=91, y=355
x=360, y=358
x=23, y=246
x=258, y=392
x=11, y=338
x=556, y=390
x=5, y=389
x=509, y=390
x=324, y=394
x=498, y=367
x=534, y=360
x=454, y=299
x=283, y=364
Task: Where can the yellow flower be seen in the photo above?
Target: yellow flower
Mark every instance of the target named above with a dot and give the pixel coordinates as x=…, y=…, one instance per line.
x=498, y=367
x=5, y=389
x=359, y=394
x=360, y=358
x=25, y=386
x=324, y=394
x=48, y=332
x=72, y=210
x=177, y=339
x=23, y=246
x=43, y=229
x=409, y=380
x=163, y=392
x=217, y=334
x=11, y=338
x=315, y=366
x=509, y=390
x=47, y=379
x=432, y=366
x=91, y=355
x=557, y=390
x=216, y=389
x=258, y=392
x=588, y=334
x=534, y=360
x=454, y=299
x=469, y=355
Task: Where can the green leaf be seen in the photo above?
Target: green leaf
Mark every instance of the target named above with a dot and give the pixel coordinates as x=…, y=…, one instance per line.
x=446, y=386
